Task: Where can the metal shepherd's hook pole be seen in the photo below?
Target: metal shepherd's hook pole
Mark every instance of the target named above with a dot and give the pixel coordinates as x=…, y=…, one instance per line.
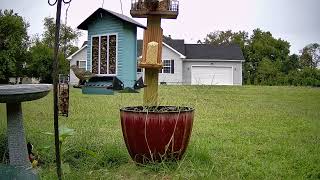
x=55, y=84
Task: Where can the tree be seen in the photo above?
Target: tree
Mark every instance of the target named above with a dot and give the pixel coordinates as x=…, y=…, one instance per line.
x=261, y=45
x=68, y=36
x=225, y=37
x=218, y=38
x=42, y=60
x=290, y=64
x=13, y=45
x=310, y=56
x=268, y=72
x=42, y=51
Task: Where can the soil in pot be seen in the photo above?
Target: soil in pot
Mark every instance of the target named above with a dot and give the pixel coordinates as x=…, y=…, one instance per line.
x=157, y=133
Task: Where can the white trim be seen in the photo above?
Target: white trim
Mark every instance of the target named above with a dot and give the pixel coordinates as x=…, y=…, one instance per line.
x=108, y=41
x=71, y=56
x=171, y=48
x=91, y=51
x=99, y=59
x=167, y=66
x=218, y=66
x=82, y=61
x=217, y=60
x=117, y=44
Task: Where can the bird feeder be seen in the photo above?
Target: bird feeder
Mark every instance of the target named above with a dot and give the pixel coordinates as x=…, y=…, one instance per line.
x=167, y=9
x=154, y=11
x=63, y=93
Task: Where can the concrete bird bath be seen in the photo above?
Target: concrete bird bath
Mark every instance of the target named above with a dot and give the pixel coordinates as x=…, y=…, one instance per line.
x=13, y=95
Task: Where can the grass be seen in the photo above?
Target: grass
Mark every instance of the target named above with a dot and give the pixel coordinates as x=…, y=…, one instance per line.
x=248, y=132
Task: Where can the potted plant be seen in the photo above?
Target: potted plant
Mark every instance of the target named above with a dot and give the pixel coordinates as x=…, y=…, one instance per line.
x=156, y=133
x=152, y=132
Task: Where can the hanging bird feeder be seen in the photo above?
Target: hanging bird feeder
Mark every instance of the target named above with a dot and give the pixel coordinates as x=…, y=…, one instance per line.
x=111, y=53
x=63, y=93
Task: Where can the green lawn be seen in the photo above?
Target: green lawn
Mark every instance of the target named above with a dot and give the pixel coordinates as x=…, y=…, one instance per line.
x=247, y=132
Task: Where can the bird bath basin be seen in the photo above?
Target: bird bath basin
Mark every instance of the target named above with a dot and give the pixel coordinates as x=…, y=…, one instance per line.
x=13, y=95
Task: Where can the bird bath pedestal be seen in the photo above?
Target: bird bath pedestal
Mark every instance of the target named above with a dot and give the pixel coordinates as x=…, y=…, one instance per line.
x=13, y=95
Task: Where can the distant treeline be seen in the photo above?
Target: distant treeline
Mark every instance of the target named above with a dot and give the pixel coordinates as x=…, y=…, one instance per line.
x=268, y=60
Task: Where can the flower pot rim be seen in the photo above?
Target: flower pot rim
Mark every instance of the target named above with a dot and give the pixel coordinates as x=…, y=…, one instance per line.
x=142, y=109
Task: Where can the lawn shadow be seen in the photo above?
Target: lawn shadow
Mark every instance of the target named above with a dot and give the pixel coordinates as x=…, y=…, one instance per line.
x=4, y=154
x=113, y=157
x=108, y=156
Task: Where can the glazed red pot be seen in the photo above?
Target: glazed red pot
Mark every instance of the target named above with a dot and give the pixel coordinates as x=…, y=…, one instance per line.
x=154, y=134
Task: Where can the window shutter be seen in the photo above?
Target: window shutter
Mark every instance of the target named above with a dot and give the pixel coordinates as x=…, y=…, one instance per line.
x=77, y=63
x=172, y=66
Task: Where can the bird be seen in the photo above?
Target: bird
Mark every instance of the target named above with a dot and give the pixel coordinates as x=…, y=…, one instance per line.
x=81, y=74
x=32, y=157
x=151, y=5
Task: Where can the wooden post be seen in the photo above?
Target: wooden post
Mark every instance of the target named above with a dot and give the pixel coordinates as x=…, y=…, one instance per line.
x=153, y=33
x=150, y=96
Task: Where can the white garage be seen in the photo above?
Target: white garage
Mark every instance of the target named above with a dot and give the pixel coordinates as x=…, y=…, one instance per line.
x=211, y=75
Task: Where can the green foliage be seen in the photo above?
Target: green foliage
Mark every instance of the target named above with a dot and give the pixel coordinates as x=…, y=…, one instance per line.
x=310, y=56
x=267, y=72
x=13, y=45
x=249, y=132
x=64, y=132
x=226, y=37
x=17, y=61
x=267, y=59
x=42, y=51
x=42, y=60
x=68, y=36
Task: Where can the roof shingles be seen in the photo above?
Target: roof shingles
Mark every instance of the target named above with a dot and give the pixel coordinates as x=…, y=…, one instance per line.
x=207, y=51
x=201, y=51
x=98, y=12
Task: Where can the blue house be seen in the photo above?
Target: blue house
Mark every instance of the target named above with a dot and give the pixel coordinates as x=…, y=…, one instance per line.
x=112, y=45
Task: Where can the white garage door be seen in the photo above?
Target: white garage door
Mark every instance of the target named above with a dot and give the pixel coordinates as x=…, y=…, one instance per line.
x=211, y=75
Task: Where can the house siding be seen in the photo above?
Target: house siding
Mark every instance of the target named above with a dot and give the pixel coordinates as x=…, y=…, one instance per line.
x=126, y=45
x=82, y=55
x=236, y=65
x=129, y=62
x=176, y=77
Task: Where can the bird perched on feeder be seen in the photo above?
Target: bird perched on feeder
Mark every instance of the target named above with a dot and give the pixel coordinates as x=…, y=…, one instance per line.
x=81, y=74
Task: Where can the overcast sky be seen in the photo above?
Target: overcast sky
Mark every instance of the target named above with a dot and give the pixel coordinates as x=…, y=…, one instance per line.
x=296, y=21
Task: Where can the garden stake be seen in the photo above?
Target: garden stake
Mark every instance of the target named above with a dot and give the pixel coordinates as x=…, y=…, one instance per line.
x=55, y=85
x=55, y=92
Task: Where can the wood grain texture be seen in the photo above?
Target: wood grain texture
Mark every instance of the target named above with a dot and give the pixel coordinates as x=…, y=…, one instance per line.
x=153, y=33
x=150, y=96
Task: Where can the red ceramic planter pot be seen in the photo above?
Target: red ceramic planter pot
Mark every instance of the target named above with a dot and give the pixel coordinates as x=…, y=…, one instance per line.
x=156, y=134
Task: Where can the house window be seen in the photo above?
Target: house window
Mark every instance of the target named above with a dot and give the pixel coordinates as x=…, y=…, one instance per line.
x=82, y=64
x=168, y=67
x=139, y=69
x=104, y=54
